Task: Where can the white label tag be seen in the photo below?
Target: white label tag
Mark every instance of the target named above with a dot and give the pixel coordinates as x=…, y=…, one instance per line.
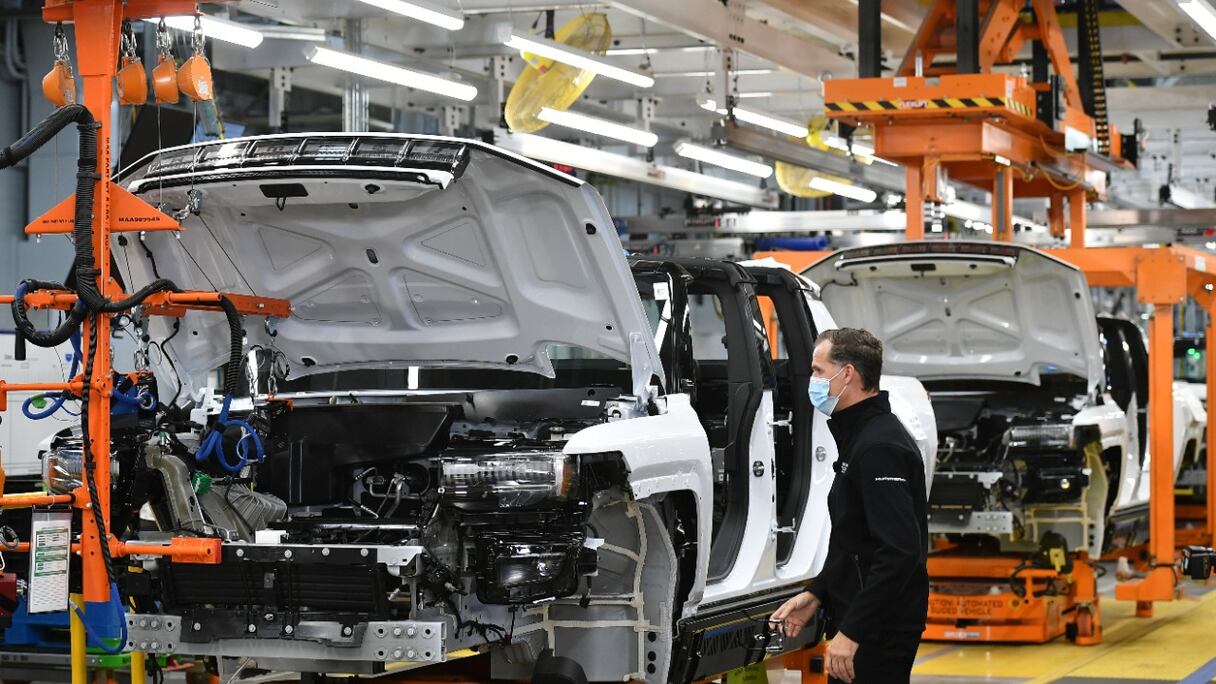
x=900, y=82
x=50, y=547
x=661, y=292
x=590, y=402
x=1201, y=264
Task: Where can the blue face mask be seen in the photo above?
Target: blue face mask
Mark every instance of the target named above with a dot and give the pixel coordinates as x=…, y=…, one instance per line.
x=820, y=391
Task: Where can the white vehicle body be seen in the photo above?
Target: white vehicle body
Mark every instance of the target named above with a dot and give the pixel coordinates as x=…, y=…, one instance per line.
x=418, y=252
x=428, y=257
x=1005, y=339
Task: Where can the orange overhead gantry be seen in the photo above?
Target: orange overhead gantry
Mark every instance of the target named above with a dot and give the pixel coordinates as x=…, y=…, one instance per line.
x=999, y=132
x=98, y=31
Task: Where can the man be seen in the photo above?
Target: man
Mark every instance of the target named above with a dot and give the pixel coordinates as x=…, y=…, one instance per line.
x=874, y=585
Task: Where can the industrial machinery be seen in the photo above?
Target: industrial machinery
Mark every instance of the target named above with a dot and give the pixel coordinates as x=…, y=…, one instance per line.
x=1039, y=135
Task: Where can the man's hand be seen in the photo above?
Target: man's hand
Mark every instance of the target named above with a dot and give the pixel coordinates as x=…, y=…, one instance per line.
x=795, y=613
x=841, y=650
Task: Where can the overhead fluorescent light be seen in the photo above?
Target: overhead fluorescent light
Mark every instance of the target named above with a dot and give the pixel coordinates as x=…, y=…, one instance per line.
x=391, y=73
x=625, y=52
x=284, y=32
x=763, y=93
x=598, y=126
x=1003, y=161
x=565, y=54
x=633, y=168
x=843, y=189
x=835, y=142
x=436, y=15
x=1201, y=13
x=704, y=74
x=219, y=29
x=771, y=122
x=710, y=155
x=863, y=150
x=710, y=105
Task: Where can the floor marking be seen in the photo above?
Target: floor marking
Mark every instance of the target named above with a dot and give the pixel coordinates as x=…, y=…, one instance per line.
x=936, y=654
x=1149, y=625
x=1203, y=675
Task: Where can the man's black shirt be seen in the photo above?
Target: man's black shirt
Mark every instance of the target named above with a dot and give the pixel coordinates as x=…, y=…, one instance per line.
x=874, y=579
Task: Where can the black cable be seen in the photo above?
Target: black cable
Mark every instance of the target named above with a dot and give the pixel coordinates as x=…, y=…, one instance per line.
x=88, y=461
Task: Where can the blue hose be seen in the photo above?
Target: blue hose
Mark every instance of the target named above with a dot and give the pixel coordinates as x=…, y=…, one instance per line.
x=58, y=397
x=138, y=399
x=213, y=444
x=115, y=603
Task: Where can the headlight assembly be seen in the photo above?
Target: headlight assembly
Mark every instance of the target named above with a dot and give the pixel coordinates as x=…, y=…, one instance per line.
x=1042, y=437
x=511, y=479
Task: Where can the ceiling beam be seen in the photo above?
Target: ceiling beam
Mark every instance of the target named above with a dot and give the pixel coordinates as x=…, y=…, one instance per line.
x=711, y=21
x=840, y=19
x=1162, y=18
x=782, y=149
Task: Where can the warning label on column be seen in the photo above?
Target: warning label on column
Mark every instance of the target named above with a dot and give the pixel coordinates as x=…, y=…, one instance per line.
x=51, y=539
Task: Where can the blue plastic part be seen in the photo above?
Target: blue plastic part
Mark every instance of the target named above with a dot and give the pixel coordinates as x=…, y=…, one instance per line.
x=40, y=630
x=793, y=244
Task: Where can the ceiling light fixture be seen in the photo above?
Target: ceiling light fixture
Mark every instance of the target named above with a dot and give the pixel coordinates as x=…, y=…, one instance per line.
x=625, y=52
x=771, y=122
x=284, y=32
x=762, y=93
x=703, y=74
x=433, y=14
x=390, y=73
x=1201, y=13
x=219, y=29
x=597, y=126
x=716, y=157
x=565, y=54
x=633, y=168
x=843, y=189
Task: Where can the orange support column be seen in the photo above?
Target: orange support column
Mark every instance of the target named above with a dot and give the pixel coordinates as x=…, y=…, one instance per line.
x=1210, y=466
x=1161, y=581
x=914, y=203
x=1076, y=220
x=1002, y=205
x=1055, y=216
x=97, y=26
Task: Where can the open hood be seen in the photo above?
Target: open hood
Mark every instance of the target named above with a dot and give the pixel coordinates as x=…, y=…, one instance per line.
x=966, y=310
x=393, y=250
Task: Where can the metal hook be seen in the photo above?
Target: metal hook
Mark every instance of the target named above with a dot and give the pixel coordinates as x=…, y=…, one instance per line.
x=197, y=38
x=60, y=45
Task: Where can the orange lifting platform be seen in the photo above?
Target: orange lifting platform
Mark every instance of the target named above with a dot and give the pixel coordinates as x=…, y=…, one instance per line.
x=982, y=128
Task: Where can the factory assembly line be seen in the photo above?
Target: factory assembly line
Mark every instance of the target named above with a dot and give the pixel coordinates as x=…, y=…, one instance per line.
x=406, y=407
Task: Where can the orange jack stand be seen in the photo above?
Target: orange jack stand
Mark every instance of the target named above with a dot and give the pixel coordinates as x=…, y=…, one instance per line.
x=972, y=598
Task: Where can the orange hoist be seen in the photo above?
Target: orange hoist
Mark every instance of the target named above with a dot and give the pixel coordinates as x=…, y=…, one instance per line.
x=1013, y=132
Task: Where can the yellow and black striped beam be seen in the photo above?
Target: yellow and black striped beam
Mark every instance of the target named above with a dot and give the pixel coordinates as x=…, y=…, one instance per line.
x=945, y=103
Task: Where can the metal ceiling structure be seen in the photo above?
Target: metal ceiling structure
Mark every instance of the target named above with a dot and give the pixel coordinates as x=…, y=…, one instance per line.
x=772, y=54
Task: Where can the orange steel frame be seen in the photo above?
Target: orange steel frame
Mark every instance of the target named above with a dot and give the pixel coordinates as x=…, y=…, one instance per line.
x=1162, y=277
x=97, y=29
x=982, y=128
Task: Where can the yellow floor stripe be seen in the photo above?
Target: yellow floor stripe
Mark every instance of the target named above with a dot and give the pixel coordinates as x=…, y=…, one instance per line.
x=1166, y=648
